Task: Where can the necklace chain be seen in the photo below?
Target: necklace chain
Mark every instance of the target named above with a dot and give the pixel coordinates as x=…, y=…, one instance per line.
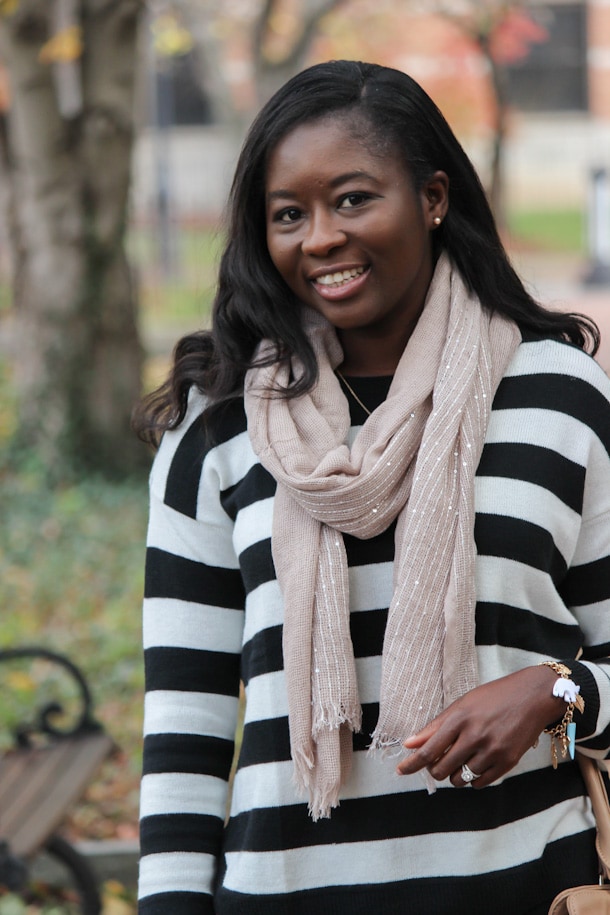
x=352, y=392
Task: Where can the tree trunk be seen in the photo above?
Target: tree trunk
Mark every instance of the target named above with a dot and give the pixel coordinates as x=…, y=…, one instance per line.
x=496, y=178
x=78, y=359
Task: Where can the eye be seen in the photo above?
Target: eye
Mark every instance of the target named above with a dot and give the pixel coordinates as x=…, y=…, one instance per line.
x=354, y=199
x=287, y=215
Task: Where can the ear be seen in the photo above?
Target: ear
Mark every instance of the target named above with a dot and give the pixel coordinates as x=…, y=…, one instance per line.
x=435, y=198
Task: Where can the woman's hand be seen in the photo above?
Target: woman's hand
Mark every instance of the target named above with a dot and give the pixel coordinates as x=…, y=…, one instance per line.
x=489, y=729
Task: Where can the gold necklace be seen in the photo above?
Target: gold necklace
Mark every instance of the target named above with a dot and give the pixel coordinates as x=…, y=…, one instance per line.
x=352, y=392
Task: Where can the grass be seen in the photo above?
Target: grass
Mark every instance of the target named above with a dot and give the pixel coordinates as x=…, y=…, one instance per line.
x=560, y=231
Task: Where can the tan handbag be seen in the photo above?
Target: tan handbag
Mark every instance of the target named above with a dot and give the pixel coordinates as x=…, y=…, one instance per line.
x=593, y=899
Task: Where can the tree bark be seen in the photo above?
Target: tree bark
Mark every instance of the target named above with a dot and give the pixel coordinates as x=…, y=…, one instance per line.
x=78, y=360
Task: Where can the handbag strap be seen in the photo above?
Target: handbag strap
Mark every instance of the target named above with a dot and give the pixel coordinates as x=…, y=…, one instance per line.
x=601, y=809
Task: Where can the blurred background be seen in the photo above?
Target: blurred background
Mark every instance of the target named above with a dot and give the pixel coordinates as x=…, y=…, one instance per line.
x=120, y=123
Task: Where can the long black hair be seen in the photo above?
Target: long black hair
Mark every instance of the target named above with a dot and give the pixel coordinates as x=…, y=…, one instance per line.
x=253, y=302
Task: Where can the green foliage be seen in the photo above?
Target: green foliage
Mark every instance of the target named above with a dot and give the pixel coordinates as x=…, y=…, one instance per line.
x=71, y=579
x=182, y=300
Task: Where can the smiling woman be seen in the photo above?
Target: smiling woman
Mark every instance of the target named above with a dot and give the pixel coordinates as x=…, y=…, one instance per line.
x=382, y=502
x=351, y=237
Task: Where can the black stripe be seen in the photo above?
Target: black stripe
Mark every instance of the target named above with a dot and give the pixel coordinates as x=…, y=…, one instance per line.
x=560, y=394
x=262, y=654
x=586, y=723
x=181, y=832
x=256, y=563
x=522, y=541
x=168, y=575
x=184, y=476
x=191, y=753
x=370, y=552
x=264, y=742
x=532, y=464
x=367, y=630
x=268, y=740
x=183, y=903
x=189, y=670
x=513, y=627
x=383, y=817
x=256, y=485
x=587, y=583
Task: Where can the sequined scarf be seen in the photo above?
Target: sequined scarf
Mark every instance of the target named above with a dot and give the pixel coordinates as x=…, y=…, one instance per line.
x=414, y=459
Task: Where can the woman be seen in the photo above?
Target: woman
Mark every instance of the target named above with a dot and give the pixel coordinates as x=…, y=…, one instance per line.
x=317, y=531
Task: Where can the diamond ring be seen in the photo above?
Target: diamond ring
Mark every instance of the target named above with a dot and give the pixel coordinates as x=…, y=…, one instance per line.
x=468, y=775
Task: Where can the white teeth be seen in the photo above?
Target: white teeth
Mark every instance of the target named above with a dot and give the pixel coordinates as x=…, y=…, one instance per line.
x=332, y=279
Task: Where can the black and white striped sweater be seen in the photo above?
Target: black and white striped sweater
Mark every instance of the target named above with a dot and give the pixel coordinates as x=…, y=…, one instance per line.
x=213, y=616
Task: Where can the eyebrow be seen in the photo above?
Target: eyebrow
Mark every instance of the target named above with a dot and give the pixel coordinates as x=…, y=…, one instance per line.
x=333, y=183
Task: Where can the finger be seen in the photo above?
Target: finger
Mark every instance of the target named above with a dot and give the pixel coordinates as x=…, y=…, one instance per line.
x=429, y=753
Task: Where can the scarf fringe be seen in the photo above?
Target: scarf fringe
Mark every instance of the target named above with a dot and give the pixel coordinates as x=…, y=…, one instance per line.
x=320, y=802
x=388, y=746
x=320, y=807
x=330, y=718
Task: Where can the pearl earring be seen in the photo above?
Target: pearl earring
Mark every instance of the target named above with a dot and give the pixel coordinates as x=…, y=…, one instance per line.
x=437, y=220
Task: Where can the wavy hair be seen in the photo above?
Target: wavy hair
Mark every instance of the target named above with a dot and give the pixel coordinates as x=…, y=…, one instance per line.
x=252, y=301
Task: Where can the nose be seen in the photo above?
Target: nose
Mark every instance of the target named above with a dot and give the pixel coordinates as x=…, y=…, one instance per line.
x=323, y=233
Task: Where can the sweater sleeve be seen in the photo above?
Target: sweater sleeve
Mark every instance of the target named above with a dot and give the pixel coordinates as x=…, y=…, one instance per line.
x=193, y=623
x=586, y=589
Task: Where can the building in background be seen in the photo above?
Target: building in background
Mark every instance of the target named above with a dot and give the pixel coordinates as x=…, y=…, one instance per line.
x=558, y=72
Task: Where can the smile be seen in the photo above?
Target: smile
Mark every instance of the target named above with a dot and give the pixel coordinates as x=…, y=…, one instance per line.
x=339, y=278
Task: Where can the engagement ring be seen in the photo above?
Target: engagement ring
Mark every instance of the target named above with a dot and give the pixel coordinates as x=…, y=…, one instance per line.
x=468, y=775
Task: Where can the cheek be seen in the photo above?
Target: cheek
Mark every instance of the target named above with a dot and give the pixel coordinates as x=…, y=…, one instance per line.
x=279, y=254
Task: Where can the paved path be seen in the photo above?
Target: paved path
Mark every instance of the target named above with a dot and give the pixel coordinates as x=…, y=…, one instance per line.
x=555, y=280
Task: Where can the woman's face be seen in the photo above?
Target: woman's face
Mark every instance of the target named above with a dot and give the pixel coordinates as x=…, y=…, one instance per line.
x=347, y=231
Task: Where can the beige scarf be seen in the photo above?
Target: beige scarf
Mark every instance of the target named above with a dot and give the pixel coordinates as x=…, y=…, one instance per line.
x=414, y=459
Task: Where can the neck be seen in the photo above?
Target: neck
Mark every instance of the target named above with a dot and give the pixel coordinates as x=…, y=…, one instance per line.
x=366, y=356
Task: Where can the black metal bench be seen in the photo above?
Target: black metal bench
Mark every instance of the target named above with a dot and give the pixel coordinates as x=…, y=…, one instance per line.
x=54, y=754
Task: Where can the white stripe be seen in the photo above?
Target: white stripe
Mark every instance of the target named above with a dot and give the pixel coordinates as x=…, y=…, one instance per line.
x=224, y=467
x=435, y=856
x=554, y=358
x=594, y=620
x=253, y=524
x=176, y=872
x=267, y=699
x=182, y=624
x=205, y=540
x=549, y=429
x=596, y=501
x=499, y=660
x=182, y=792
x=264, y=609
x=272, y=784
x=169, y=444
x=500, y=580
x=176, y=712
x=370, y=587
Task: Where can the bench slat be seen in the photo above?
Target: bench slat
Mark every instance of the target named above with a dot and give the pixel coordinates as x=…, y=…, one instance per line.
x=38, y=785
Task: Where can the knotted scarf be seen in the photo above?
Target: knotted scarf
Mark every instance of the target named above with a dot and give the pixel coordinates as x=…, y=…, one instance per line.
x=414, y=460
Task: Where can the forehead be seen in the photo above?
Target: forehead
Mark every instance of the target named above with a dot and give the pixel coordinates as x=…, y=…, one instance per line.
x=327, y=147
